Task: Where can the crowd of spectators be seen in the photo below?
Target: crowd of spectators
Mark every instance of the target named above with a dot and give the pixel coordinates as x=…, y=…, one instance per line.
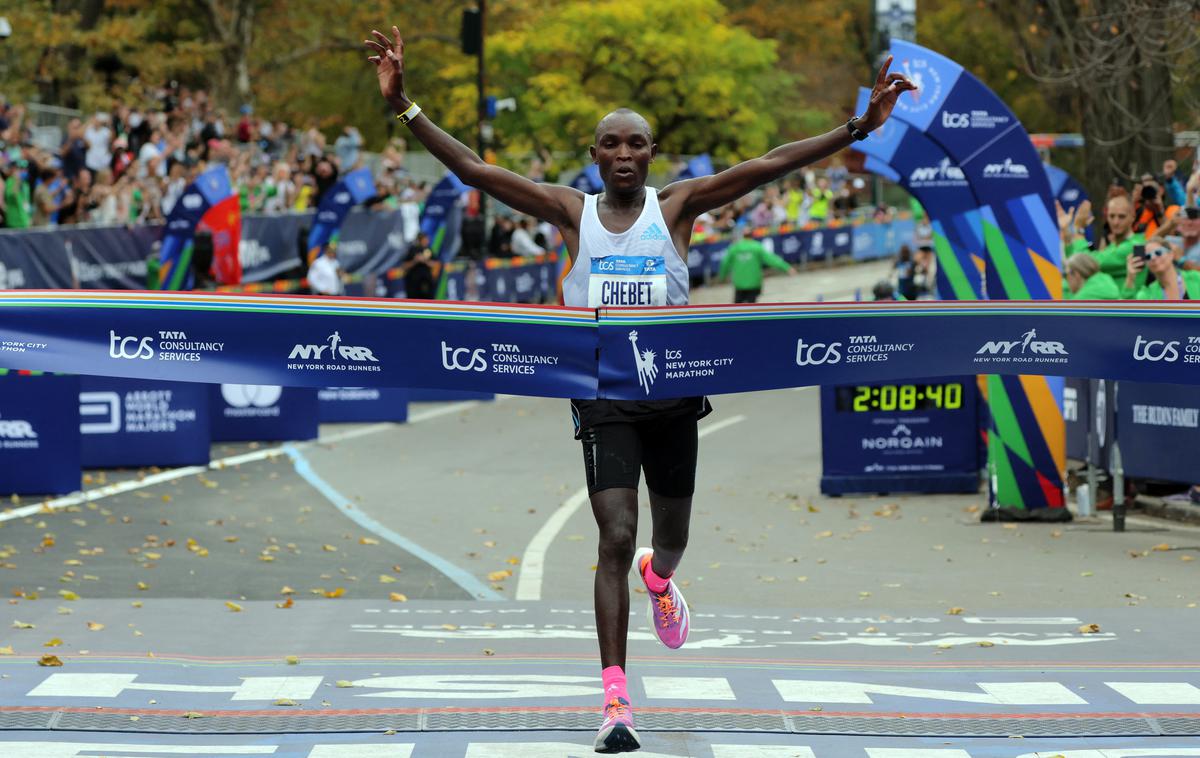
x=1149, y=244
x=129, y=164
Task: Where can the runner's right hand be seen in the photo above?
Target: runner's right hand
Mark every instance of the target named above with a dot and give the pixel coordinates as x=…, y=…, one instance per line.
x=389, y=67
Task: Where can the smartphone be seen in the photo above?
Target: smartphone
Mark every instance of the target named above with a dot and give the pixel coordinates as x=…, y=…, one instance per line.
x=1139, y=251
x=1192, y=213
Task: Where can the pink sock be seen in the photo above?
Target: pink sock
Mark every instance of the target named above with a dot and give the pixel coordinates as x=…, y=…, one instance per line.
x=613, y=678
x=655, y=582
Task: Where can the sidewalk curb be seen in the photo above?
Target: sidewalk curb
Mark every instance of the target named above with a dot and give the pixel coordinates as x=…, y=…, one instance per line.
x=1156, y=506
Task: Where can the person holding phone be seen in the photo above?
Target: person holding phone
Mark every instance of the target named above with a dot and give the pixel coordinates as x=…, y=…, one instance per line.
x=1166, y=281
x=1114, y=255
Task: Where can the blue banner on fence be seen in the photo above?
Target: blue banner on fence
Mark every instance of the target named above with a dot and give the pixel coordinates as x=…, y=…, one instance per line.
x=248, y=412
x=76, y=258
x=132, y=422
x=362, y=404
x=1158, y=426
x=441, y=218
x=912, y=436
x=1077, y=407
x=39, y=435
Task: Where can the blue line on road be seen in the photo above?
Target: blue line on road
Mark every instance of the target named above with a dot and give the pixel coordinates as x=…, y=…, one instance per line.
x=459, y=576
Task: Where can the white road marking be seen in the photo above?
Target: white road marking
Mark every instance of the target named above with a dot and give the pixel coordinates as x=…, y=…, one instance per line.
x=687, y=688
x=761, y=751
x=403, y=750
x=994, y=693
x=915, y=752
x=1158, y=693
x=112, y=685
x=533, y=562
x=119, y=488
x=73, y=749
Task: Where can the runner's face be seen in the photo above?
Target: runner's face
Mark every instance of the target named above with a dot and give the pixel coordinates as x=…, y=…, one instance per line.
x=623, y=150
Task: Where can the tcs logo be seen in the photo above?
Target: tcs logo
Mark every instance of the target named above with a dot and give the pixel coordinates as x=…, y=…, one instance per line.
x=130, y=348
x=463, y=359
x=955, y=120
x=817, y=353
x=1155, y=350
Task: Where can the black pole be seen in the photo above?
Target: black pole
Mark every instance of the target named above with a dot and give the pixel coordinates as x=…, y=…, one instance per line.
x=482, y=105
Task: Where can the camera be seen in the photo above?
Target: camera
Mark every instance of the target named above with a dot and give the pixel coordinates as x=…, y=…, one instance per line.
x=1149, y=194
x=1192, y=213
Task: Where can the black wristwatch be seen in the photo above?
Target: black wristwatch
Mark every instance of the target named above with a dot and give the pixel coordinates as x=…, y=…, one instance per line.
x=855, y=132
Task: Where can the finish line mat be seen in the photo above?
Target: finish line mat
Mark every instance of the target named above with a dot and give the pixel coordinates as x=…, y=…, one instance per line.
x=459, y=679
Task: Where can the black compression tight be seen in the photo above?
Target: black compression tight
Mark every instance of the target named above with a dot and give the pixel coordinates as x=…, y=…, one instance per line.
x=616, y=512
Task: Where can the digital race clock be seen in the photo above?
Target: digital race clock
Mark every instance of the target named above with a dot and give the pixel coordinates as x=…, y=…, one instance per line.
x=866, y=398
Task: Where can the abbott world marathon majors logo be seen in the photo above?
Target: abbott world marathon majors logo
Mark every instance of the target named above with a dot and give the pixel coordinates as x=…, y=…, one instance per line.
x=499, y=358
x=251, y=400
x=1027, y=349
x=857, y=348
x=167, y=346
x=1166, y=351
x=332, y=355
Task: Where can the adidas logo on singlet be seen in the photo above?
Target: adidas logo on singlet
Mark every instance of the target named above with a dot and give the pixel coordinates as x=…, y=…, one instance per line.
x=653, y=233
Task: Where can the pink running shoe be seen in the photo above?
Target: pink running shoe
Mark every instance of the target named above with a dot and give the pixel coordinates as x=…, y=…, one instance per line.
x=617, y=734
x=668, y=610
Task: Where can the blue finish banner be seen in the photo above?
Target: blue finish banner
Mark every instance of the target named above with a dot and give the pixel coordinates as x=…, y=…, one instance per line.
x=132, y=422
x=249, y=412
x=693, y=350
x=912, y=436
x=39, y=435
x=303, y=341
x=362, y=404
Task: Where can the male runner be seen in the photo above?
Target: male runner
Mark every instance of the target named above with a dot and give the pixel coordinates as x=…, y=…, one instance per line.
x=628, y=246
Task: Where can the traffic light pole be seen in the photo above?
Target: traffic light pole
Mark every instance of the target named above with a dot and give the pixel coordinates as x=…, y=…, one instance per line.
x=481, y=121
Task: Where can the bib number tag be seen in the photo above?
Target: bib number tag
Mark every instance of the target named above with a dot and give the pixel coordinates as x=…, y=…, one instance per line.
x=618, y=280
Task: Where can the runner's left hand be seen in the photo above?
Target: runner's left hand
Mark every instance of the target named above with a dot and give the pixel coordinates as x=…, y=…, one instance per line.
x=883, y=97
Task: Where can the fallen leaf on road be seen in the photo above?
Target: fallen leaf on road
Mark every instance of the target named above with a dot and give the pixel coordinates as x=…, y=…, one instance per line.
x=233, y=606
x=52, y=643
x=368, y=541
x=21, y=625
x=344, y=683
x=68, y=595
x=1089, y=629
x=49, y=660
x=1161, y=548
x=287, y=603
x=498, y=576
x=292, y=660
x=398, y=597
x=94, y=626
x=336, y=593
x=956, y=611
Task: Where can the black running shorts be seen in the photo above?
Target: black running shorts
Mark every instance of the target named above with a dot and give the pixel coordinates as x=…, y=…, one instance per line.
x=615, y=454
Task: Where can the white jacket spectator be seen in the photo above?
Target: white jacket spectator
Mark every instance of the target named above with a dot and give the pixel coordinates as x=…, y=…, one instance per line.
x=324, y=276
x=98, y=138
x=522, y=240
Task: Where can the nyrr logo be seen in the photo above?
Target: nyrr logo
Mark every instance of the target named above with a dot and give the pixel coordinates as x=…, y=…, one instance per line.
x=817, y=353
x=955, y=120
x=945, y=171
x=1028, y=343
x=1006, y=170
x=463, y=358
x=1155, y=350
x=336, y=351
x=14, y=429
x=130, y=348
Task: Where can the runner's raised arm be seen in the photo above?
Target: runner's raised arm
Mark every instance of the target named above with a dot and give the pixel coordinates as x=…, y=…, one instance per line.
x=557, y=204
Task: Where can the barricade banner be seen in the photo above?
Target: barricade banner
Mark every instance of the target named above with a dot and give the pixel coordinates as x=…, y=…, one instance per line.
x=371, y=241
x=1069, y=193
x=352, y=189
x=108, y=257
x=693, y=350
x=39, y=434
x=250, y=412
x=1158, y=428
x=362, y=404
x=442, y=217
x=133, y=422
x=303, y=341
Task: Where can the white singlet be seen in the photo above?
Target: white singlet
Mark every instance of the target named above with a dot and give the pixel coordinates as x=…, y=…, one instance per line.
x=639, y=266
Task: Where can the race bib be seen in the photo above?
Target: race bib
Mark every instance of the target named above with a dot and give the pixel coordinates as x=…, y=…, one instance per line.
x=627, y=280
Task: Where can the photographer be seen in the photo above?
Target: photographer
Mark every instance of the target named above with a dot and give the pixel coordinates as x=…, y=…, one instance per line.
x=1150, y=212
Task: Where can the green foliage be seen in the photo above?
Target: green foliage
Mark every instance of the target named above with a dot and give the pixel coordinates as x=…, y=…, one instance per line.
x=704, y=84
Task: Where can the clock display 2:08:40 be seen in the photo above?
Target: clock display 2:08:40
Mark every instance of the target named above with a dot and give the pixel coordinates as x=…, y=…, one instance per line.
x=900, y=397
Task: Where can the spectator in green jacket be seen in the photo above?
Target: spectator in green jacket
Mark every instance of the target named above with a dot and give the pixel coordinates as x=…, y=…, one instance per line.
x=745, y=260
x=1167, y=282
x=1085, y=280
x=1116, y=247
